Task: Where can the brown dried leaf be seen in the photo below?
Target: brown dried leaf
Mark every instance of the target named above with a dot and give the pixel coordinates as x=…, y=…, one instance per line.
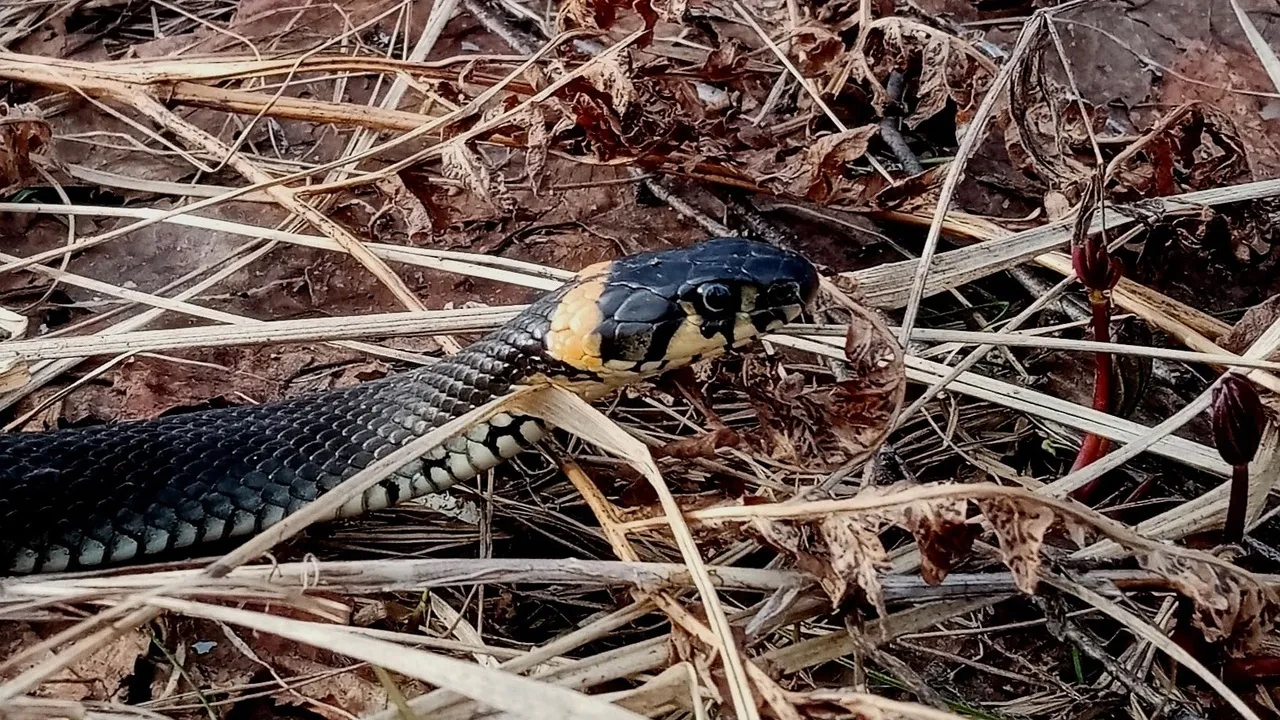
x=406, y=207
x=820, y=51
x=949, y=71
x=100, y=676
x=820, y=172
x=941, y=534
x=725, y=62
x=537, y=145
x=612, y=76
x=823, y=426
x=461, y=163
x=1251, y=325
x=703, y=659
x=1192, y=147
x=933, y=92
x=603, y=14
x=1044, y=132
x=1230, y=607
x=862, y=409
x=1020, y=526
x=842, y=551
x=21, y=133
x=856, y=556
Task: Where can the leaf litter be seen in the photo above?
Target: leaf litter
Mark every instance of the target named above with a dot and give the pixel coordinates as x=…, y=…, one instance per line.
x=701, y=102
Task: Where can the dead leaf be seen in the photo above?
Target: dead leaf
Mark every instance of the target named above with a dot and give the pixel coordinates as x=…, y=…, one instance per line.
x=842, y=551
x=824, y=426
x=337, y=696
x=856, y=557
x=463, y=164
x=99, y=677
x=537, y=145
x=1044, y=132
x=703, y=659
x=863, y=408
x=1229, y=607
x=819, y=51
x=612, y=76
x=821, y=172
x=941, y=534
x=950, y=73
x=1192, y=147
x=1020, y=527
x=603, y=14
x=1251, y=325
x=406, y=206
x=22, y=132
x=933, y=91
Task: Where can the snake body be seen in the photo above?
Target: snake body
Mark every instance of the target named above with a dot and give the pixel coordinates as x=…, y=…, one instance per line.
x=164, y=488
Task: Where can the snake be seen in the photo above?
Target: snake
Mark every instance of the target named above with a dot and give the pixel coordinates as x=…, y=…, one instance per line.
x=173, y=486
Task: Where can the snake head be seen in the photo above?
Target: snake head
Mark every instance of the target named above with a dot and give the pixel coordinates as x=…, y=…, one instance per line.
x=654, y=311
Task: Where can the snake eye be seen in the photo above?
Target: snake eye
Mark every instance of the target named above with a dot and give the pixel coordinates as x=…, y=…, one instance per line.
x=716, y=296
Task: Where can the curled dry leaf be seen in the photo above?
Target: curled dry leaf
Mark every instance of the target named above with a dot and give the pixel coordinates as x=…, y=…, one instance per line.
x=832, y=425
x=22, y=133
x=603, y=14
x=1192, y=147
x=948, y=75
x=612, y=76
x=864, y=407
x=856, y=557
x=941, y=534
x=841, y=551
x=1044, y=131
x=1020, y=527
x=950, y=70
x=537, y=144
x=819, y=51
x=463, y=164
x=1251, y=325
x=623, y=113
x=703, y=659
x=406, y=207
x=821, y=173
x=1230, y=607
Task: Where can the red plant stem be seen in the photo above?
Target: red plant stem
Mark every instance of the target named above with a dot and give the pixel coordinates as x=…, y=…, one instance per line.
x=1237, y=505
x=1095, y=446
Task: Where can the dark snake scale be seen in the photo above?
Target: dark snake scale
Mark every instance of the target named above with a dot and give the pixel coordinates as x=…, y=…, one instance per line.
x=165, y=488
